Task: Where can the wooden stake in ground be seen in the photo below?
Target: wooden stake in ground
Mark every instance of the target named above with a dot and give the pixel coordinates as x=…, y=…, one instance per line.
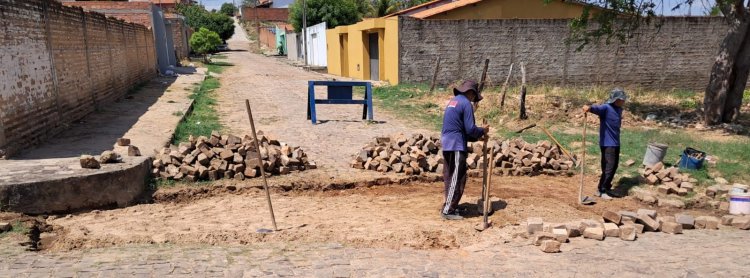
x=486, y=196
x=483, y=79
x=480, y=204
x=522, y=115
x=262, y=171
x=434, y=75
x=505, y=86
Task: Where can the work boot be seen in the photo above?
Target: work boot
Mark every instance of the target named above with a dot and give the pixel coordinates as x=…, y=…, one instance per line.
x=452, y=216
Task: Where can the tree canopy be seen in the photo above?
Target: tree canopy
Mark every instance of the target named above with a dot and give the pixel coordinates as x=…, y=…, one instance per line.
x=197, y=17
x=333, y=12
x=228, y=9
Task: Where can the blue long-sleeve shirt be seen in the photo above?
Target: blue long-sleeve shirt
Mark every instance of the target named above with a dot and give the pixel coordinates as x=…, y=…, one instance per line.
x=458, y=125
x=610, y=121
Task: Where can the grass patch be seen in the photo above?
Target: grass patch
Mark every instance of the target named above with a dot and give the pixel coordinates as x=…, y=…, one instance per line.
x=204, y=117
x=218, y=56
x=403, y=100
x=177, y=113
x=218, y=67
x=16, y=228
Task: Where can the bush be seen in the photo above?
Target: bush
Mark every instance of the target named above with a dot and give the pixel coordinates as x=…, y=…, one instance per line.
x=204, y=41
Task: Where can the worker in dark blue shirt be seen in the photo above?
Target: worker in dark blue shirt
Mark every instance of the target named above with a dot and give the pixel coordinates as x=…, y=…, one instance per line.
x=610, y=119
x=459, y=127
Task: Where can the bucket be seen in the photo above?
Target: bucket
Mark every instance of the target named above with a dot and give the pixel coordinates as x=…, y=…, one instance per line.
x=739, y=203
x=739, y=188
x=655, y=153
x=688, y=159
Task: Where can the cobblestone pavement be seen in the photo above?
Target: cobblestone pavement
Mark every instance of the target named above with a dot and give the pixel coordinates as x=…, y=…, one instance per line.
x=703, y=253
x=278, y=95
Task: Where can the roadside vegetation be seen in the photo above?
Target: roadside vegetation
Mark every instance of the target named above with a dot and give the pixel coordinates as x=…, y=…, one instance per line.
x=203, y=118
x=559, y=109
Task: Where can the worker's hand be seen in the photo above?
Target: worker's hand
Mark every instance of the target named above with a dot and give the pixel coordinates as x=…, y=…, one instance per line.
x=486, y=129
x=586, y=108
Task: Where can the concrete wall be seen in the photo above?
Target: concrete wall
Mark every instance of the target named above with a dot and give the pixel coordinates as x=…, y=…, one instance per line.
x=60, y=63
x=265, y=14
x=168, y=28
x=316, y=45
x=679, y=55
x=348, y=53
x=293, y=47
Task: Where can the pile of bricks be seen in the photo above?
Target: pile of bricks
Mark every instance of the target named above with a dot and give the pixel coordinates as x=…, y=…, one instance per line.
x=123, y=146
x=228, y=156
x=401, y=154
x=669, y=180
x=626, y=225
x=419, y=153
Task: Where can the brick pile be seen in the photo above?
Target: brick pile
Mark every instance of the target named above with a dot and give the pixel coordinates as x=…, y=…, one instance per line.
x=669, y=180
x=228, y=156
x=626, y=225
x=419, y=153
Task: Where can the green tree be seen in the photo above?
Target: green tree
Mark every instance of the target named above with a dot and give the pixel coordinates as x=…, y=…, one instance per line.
x=204, y=41
x=228, y=9
x=729, y=75
x=197, y=17
x=384, y=7
x=333, y=12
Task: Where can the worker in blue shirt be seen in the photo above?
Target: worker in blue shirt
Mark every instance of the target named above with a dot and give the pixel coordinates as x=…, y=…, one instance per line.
x=459, y=127
x=610, y=119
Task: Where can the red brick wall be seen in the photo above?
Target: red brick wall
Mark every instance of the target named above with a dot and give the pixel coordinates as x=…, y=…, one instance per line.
x=180, y=36
x=267, y=37
x=135, y=12
x=266, y=14
x=59, y=63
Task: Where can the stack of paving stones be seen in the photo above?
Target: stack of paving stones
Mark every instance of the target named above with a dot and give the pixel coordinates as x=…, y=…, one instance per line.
x=625, y=225
x=669, y=180
x=419, y=153
x=228, y=156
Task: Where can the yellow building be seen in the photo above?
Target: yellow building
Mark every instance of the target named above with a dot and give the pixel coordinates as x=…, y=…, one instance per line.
x=368, y=50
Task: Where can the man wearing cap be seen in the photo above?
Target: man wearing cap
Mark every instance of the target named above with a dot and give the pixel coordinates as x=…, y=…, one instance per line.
x=610, y=120
x=458, y=128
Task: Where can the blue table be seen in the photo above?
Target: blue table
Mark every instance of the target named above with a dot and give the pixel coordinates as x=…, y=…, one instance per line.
x=339, y=92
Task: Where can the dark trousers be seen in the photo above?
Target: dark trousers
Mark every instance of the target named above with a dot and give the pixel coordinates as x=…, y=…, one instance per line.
x=610, y=160
x=454, y=176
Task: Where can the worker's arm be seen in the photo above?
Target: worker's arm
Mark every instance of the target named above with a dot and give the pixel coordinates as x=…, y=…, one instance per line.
x=472, y=130
x=594, y=109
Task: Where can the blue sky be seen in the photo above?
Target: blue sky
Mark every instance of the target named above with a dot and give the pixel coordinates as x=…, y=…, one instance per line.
x=698, y=8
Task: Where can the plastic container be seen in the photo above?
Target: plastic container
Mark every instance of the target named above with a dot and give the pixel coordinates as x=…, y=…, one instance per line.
x=687, y=162
x=739, y=188
x=739, y=203
x=655, y=153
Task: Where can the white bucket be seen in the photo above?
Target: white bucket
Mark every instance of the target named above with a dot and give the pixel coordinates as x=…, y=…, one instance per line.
x=655, y=153
x=739, y=188
x=739, y=203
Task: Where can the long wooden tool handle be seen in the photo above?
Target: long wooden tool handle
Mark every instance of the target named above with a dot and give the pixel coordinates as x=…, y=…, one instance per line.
x=558, y=144
x=484, y=166
x=583, y=159
x=489, y=185
x=262, y=170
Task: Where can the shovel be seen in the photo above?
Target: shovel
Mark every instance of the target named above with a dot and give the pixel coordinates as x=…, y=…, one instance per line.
x=584, y=200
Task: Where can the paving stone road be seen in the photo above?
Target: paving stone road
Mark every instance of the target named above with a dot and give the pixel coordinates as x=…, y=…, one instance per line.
x=702, y=253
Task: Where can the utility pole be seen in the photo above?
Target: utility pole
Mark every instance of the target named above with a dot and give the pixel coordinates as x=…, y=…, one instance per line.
x=304, y=28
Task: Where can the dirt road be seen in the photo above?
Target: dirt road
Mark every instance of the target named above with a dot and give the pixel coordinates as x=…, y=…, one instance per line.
x=278, y=95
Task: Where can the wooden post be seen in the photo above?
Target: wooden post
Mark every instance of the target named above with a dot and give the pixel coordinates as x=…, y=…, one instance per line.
x=523, y=115
x=505, y=86
x=435, y=74
x=484, y=75
x=262, y=170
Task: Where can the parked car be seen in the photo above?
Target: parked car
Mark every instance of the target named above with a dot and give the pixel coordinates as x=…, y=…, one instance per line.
x=222, y=47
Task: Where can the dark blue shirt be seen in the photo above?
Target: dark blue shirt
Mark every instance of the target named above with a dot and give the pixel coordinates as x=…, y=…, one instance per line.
x=458, y=125
x=610, y=121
